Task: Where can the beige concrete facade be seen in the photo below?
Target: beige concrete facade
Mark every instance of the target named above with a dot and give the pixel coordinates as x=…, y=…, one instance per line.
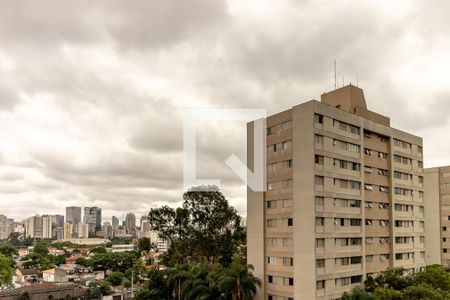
x=437, y=204
x=344, y=199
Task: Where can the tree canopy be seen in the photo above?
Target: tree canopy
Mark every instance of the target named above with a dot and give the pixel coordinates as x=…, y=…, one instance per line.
x=205, y=228
x=433, y=283
x=6, y=270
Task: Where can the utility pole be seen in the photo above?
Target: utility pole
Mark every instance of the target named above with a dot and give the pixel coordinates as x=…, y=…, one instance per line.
x=132, y=283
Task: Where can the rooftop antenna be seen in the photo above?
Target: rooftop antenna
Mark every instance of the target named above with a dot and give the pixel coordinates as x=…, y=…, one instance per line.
x=343, y=81
x=335, y=81
x=356, y=80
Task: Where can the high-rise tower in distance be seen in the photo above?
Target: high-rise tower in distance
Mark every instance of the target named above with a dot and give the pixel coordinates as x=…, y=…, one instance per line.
x=344, y=199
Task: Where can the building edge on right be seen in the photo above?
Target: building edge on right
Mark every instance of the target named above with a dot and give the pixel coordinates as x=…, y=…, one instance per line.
x=437, y=210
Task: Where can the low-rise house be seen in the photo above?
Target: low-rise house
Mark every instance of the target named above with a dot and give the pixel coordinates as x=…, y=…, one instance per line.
x=29, y=276
x=76, y=273
x=48, y=275
x=55, y=252
x=44, y=291
x=122, y=248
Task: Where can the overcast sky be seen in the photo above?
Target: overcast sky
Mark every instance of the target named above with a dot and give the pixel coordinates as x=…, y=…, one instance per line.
x=92, y=93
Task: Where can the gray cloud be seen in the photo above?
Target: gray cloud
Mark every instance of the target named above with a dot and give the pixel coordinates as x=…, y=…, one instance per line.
x=93, y=94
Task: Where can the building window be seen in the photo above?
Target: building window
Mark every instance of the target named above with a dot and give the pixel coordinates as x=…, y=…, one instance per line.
x=369, y=240
x=383, y=172
x=420, y=179
x=420, y=164
x=271, y=279
x=382, y=155
x=384, y=189
x=356, y=279
x=289, y=222
x=319, y=201
x=318, y=139
x=269, y=186
x=287, y=125
x=354, y=260
x=320, y=285
x=347, y=184
x=402, y=160
x=271, y=130
x=287, y=164
x=346, y=127
x=271, y=260
x=369, y=258
x=318, y=118
x=271, y=223
x=287, y=145
x=288, y=242
x=271, y=149
x=318, y=159
x=288, y=261
x=272, y=204
x=319, y=180
x=287, y=203
x=288, y=281
x=401, y=144
x=288, y=184
x=271, y=242
x=355, y=222
x=320, y=263
x=320, y=221
x=320, y=243
x=347, y=146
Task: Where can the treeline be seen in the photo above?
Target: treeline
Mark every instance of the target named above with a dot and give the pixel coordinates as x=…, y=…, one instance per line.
x=205, y=259
x=433, y=283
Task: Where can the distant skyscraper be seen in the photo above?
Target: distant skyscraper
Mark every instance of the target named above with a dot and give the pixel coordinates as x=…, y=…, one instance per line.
x=83, y=230
x=68, y=230
x=115, y=221
x=73, y=216
x=58, y=220
x=93, y=217
x=3, y=227
x=130, y=222
x=145, y=224
x=46, y=227
x=107, y=229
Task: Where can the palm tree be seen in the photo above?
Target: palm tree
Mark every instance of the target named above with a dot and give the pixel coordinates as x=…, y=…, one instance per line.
x=175, y=279
x=238, y=281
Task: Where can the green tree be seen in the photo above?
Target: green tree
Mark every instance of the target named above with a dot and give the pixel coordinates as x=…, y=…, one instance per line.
x=206, y=228
x=98, y=250
x=434, y=276
x=115, y=278
x=155, y=288
x=8, y=250
x=238, y=280
x=41, y=247
x=6, y=270
x=144, y=244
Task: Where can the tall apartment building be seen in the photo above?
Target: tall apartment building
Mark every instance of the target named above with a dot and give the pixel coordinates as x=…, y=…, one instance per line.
x=437, y=207
x=47, y=232
x=73, y=216
x=115, y=221
x=344, y=199
x=4, y=228
x=130, y=222
x=33, y=227
x=68, y=230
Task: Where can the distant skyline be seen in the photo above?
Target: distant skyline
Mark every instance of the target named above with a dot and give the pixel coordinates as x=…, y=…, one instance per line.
x=92, y=94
